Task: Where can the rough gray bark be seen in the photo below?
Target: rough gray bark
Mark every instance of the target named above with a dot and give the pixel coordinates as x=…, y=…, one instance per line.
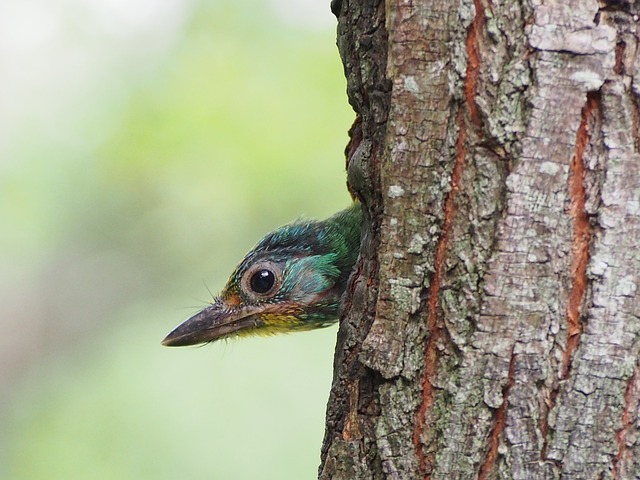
x=491, y=327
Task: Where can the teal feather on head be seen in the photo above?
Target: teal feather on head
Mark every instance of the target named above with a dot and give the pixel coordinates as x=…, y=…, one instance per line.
x=292, y=280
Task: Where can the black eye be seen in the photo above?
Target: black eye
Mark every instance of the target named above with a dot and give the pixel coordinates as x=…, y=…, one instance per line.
x=262, y=281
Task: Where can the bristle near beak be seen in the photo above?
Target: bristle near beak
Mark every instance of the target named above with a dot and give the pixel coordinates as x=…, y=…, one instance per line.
x=212, y=323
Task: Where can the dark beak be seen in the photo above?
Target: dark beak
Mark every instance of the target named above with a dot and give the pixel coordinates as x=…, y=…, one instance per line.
x=214, y=322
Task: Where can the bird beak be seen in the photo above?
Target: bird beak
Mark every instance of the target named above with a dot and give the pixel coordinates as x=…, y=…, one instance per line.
x=214, y=322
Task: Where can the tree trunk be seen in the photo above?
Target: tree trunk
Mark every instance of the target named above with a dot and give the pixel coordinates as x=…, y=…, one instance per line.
x=491, y=327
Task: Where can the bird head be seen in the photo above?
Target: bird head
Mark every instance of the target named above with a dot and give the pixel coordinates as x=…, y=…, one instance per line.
x=292, y=280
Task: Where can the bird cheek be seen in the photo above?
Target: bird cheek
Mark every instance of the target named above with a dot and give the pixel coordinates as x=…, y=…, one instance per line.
x=308, y=286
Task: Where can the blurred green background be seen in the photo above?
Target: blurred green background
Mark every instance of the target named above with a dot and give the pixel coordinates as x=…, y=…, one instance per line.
x=145, y=146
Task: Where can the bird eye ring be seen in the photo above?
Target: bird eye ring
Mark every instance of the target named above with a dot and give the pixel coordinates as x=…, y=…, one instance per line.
x=262, y=279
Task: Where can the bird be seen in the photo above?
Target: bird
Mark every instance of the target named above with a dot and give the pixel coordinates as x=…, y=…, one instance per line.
x=292, y=280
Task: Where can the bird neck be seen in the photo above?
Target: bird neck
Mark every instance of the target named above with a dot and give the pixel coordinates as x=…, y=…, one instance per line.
x=343, y=235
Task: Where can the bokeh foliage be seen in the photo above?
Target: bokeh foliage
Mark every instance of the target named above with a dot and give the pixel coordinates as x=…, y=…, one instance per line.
x=111, y=224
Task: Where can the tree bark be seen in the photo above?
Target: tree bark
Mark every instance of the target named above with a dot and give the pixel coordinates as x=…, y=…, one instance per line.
x=491, y=326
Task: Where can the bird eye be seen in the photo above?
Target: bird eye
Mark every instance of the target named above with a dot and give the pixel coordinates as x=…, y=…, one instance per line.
x=262, y=281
